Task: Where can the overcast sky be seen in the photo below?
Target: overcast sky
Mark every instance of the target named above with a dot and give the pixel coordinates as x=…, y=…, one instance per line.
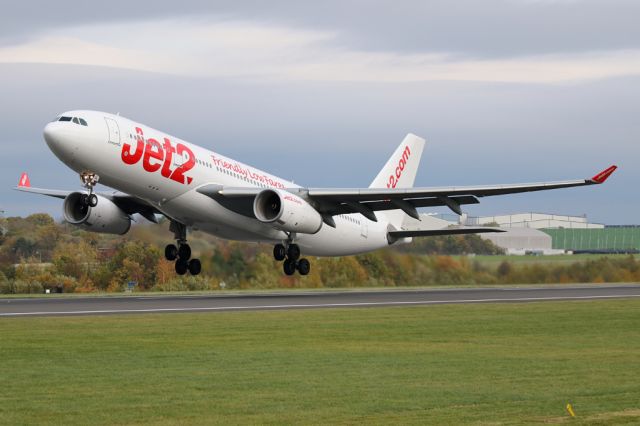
x=322, y=92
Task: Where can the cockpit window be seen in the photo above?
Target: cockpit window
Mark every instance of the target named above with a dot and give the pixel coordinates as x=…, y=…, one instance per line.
x=76, y=120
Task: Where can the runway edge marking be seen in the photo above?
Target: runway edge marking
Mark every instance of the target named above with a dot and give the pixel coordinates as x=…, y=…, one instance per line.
x=319, y=305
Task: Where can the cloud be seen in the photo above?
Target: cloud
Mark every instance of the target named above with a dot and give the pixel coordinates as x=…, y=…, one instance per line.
x=480, y=29
x=257, y=51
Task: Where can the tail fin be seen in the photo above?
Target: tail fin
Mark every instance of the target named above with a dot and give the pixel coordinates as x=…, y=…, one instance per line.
x=400, y=172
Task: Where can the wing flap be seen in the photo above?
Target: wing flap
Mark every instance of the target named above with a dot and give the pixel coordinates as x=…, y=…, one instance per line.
x=382, y=205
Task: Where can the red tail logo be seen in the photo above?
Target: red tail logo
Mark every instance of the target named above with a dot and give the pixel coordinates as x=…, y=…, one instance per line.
x=24, y=181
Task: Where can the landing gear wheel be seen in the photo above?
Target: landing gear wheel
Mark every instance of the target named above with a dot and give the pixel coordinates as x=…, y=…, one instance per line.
x=293, y=252
x=184, y=252
x=304, y=266
x=279, y=252
x=93, y=200
x=181, y=267
x=289, y=267
x=194, y=266
x=171, y=252
x=84, y=200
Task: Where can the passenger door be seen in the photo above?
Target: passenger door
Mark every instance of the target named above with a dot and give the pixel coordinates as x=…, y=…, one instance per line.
x=114, y=131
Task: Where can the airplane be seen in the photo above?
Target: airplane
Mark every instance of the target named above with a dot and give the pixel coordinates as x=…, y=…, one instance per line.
x=154, y=174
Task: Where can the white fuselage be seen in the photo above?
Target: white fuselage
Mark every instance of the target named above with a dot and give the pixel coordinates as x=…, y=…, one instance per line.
x=166, y=171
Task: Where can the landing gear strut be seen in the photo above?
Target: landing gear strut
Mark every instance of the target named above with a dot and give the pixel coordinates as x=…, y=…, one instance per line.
x=182, y=253
x=290, y=254
x=89, y=181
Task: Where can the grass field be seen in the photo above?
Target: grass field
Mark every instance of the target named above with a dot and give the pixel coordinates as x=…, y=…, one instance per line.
x=562, y=259
x=484, y=364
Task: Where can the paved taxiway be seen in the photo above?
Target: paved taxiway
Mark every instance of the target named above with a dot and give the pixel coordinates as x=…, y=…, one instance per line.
x=20, y=307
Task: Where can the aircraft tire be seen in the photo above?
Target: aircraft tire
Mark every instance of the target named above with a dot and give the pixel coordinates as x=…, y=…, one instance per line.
x=93, y=200
x=293, y=252
x=304, y=266
x=195, y=266
x=279, y=252
x=184, y=252
x=289, y=267
x=181, y=267
x=171, y=252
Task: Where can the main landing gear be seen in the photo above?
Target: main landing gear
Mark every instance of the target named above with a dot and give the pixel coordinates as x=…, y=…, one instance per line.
x=89, y=181
x=182, y=253
x=290, y=254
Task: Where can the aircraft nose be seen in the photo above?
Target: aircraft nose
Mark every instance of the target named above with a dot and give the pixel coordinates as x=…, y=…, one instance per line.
x=50, y=132
x=53, y=134
x=59, y=140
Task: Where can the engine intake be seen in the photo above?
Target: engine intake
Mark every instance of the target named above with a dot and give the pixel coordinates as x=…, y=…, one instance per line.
x=105, y=218
x=286, y=212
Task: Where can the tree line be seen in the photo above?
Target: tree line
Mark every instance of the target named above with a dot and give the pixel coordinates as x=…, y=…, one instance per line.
x=38, y=254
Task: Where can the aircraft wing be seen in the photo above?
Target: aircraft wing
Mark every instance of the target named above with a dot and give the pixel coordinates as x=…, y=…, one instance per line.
x=128, y=203
x=368, y=200
x=56, y=193
x=335, y=201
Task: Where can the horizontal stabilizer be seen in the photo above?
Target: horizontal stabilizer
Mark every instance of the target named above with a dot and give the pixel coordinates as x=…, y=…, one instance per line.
x=442, y=231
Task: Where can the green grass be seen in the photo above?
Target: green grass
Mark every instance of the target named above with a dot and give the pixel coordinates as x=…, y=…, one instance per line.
x=487, y=364
x=561, y=259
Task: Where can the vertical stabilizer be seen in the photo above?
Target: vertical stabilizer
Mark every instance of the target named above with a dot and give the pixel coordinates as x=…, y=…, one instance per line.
x=400, y=172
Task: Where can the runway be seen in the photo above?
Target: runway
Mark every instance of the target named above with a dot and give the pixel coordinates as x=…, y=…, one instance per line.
x=138, y=304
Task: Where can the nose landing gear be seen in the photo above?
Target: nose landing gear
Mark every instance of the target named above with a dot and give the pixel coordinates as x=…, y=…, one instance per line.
x=89, y=181
x=182, y=253
x=290, y=254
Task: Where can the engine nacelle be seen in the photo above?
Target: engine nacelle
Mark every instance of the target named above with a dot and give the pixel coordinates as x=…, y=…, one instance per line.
x=105, y=218
x=286, y=211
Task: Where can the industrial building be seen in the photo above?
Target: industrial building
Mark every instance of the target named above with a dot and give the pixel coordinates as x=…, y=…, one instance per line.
x=566, y=234
x=523, y=241
x=610, y=239
x=536, y=221
x=541, y=233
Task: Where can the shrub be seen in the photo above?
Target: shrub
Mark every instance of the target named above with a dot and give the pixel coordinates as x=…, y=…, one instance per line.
x=27, y=287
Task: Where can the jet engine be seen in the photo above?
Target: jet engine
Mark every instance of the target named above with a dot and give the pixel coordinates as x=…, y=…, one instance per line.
x=105, y=217
x=286, y=212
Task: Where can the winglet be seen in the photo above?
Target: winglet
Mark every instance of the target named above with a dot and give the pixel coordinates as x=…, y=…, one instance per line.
x=24, y=181
x=604, y=175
